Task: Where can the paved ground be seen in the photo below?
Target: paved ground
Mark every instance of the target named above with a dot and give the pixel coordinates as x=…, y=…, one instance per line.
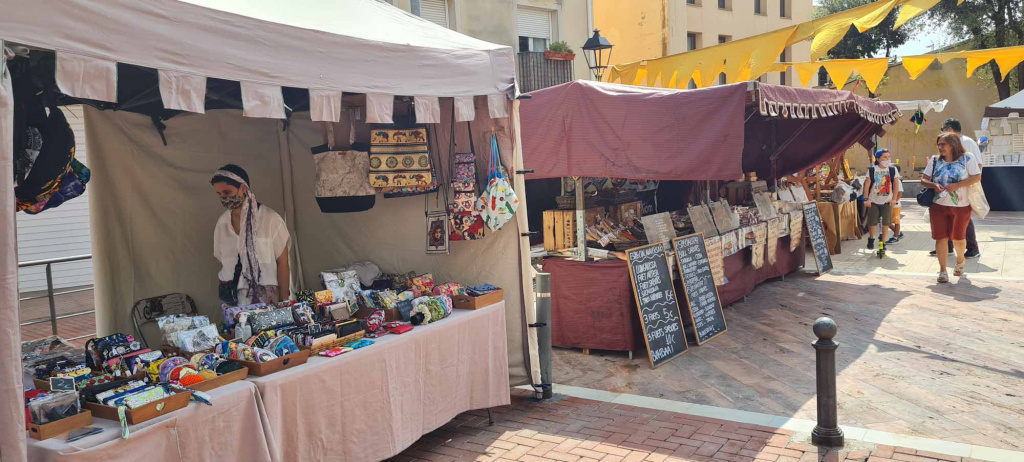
x=579, y=430
x=916, y=358
x=1000, y=238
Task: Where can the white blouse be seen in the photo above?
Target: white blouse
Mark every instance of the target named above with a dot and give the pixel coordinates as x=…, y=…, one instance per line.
x=271, y=241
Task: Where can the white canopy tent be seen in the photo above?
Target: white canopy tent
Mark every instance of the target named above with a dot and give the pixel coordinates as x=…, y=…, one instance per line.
x=925, y=106
x=1007, y=106
x=152, y=208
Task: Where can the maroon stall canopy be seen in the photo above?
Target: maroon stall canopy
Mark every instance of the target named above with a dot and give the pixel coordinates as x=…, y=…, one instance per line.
x=595, y=129
x=809, y=125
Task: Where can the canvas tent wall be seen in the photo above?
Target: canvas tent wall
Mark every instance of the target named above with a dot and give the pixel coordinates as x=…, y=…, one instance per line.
x=1003, y=108
x=253, y=56
x=599, y=129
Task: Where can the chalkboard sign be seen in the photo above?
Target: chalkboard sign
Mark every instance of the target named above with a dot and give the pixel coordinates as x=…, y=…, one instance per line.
x=816, y=232
x=656, y=301
x=699, y=287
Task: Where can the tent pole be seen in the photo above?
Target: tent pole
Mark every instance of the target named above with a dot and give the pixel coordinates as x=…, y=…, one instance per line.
x=581, y=221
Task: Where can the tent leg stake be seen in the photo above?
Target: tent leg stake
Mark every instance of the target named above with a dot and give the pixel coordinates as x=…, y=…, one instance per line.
x=490, y=418
x=630, y=355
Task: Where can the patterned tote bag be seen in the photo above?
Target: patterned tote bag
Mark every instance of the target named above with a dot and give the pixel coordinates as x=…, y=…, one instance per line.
x=399, y=158
x=342, y=176
x=464, y=222
x=498, y=203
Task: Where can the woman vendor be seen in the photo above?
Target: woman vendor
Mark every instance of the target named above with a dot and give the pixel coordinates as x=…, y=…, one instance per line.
x=251, y=242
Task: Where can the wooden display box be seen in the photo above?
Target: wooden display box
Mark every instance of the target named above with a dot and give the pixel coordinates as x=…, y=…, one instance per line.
x=285, y=362
x=148, y=412
x=221, y=380
x=45, y=384
x=60, y=427
x=560, y=227
x=466, y=302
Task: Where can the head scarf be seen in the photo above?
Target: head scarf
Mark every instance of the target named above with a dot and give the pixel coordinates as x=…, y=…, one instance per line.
x=250, y=216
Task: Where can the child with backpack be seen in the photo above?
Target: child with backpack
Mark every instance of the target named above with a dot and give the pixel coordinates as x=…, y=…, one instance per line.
x=880, y=192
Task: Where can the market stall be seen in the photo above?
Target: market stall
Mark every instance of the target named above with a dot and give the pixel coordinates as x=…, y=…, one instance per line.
x=261, y=85
x=1002, y=144
x=708, y=148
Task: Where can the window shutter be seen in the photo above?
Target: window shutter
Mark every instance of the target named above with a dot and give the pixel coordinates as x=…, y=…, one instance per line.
x=534, y=23
x=435, y=11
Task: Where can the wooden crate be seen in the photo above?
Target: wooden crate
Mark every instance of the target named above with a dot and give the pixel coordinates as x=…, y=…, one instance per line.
x=148, y=412
x=617, y=212
x=60, y=427
x=276, y=365
x=560, y=227
x=466, y=302
x=221, y=380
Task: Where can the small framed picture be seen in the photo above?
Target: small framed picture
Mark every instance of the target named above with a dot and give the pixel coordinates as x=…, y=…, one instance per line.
x=62, y=384
x=437, y=233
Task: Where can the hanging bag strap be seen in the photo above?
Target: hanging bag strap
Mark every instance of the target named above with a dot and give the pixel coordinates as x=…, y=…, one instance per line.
x=495, y=156
x=351, y=128
x=330, y=135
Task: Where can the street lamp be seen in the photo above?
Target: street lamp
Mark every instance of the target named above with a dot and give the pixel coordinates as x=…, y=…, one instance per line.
x=594, y=53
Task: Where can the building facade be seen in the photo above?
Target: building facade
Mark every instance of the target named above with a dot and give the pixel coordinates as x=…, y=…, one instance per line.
x=646, y=29
x=528, y=26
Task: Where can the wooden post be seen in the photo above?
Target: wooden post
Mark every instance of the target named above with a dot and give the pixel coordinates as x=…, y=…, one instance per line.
x=581, y=221
x=827, y=431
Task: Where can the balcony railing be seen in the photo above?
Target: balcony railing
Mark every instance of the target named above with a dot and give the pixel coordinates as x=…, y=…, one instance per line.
x=537, y=72
x=51, y=294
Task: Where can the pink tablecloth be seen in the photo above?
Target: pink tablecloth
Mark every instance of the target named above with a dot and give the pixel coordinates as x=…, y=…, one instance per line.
x=372, y=403
x=229, y=430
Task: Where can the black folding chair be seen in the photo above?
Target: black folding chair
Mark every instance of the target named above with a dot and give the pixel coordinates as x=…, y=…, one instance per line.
x=147, y=310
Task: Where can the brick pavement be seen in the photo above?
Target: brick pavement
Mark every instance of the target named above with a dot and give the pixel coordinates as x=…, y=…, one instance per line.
x=569, y=429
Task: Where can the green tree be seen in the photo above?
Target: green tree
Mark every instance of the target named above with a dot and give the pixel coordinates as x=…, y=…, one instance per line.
x=857, y=45
x=986, y=24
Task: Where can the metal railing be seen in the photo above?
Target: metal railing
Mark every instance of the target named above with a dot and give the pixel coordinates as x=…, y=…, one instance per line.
x=50, y=294
x=537, y=72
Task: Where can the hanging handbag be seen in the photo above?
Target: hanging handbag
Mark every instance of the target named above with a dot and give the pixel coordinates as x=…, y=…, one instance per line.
x=342, y=177
x=406, y=191
x=399, y=157
x=498, y=203
x=464, y=179
x=927, y=195
x=464, y=222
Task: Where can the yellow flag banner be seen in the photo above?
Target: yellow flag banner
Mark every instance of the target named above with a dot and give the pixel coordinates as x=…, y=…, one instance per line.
x=914, y=8
x=752, y=57
x=1006, y=59
x=806, y=71
x=872, y=70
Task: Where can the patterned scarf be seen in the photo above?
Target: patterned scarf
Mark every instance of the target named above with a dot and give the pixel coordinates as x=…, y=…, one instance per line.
x=250, y=216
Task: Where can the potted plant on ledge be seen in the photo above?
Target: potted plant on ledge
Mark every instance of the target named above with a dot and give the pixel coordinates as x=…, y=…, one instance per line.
x=559, y=51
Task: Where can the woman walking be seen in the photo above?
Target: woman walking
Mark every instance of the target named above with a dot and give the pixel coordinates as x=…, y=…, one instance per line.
x=950, y=173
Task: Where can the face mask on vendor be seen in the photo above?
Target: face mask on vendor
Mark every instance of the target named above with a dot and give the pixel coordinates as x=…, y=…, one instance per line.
x=232, y=202
x=231, y=197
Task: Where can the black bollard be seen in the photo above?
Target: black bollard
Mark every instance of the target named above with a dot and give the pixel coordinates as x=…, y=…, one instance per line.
x=827, y=431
